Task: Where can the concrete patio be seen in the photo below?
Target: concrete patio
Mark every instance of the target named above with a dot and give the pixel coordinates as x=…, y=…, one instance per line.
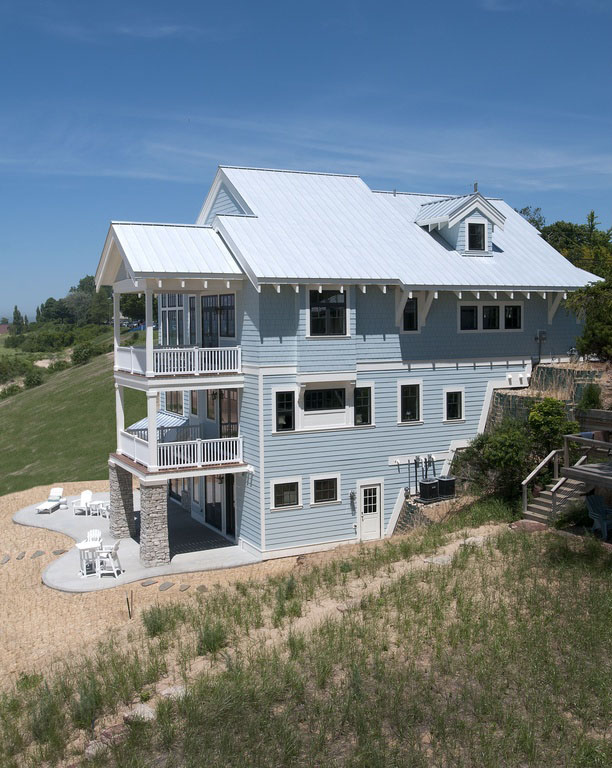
x=193, y=547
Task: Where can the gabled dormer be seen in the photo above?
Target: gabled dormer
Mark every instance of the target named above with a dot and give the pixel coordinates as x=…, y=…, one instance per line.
x=224, y=200
x=466, y=223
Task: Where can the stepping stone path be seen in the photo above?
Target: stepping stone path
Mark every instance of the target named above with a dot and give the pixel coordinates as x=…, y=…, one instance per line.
x=38, y=553
x=59, y=551
x=166, y=585
x=148, y=582
x=139, y=713
x=5, y=559
x=439, y=560
x=20, y=556
x=202, y=588
x=183, y=587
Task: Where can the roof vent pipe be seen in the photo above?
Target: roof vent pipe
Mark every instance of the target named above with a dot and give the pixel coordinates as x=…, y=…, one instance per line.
x=475, y=186
x=395, y=193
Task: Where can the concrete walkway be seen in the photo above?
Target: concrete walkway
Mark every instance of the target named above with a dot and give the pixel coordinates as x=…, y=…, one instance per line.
x=185, y=534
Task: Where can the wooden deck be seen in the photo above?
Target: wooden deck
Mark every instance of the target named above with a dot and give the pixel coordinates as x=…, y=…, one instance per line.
x=598, y=475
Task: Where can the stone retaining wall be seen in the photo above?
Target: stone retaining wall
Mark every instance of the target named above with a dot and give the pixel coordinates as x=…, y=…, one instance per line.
x=122, y=524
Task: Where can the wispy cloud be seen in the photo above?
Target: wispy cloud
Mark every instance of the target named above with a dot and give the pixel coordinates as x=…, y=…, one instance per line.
x=506, y=6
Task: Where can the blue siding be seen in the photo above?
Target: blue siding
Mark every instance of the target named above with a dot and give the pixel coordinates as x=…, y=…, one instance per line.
x=224, y=203
x=248, y=484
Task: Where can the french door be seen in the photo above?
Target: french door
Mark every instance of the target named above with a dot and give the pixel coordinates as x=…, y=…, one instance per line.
x=210, y=321
x=228, y=410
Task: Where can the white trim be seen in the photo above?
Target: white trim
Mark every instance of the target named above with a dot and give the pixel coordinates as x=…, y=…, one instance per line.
x=326, y=476
x=323, y=546
x=405, y=366
x=296, y=408
x=397, y=508
x=341, y=377
x=363, y=484
x=279, y=481
x=404, y=383
x=262, y=465
x=425, y=306
x=453, y=448
x=347, y=308
x=445, y=392
x=492, y=385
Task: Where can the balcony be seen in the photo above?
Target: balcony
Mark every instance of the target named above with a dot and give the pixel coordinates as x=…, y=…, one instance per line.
x=179, y=361
x=177, y=454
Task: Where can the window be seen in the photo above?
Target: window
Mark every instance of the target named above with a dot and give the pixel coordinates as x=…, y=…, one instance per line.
x=210, y=404
x=285, y=411
x=454, y=406
x=512, y=317
x=476, y=236
x=172, y=329
x=411, y=315
x=325, y=490
x=174, y=402
x=490, y=317
x=363, y=405
x=469, y=318
x=286, y=494
x=192, y=321
x=327, y=313
x=227, y=315
x=194, y=402
x=410, y=402
x=324, y=399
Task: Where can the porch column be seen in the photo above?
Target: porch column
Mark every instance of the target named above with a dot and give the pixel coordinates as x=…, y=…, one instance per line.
x=121, y=516
x=154, y=543
x=120, y=414
x=152, y=429
x=116, y=323
x=198, y=301
x=150, y=321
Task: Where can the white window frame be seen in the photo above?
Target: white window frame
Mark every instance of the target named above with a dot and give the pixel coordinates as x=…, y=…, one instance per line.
x=475, y=220
x=347, y=309
x=403, y=383
x=479, y=304
x=297, y=410
x=445, y=392
x=218, y=293
x=326, y=476
x=280, y=481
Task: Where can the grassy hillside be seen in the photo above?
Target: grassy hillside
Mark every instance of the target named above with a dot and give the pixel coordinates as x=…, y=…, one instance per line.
x=64, y=429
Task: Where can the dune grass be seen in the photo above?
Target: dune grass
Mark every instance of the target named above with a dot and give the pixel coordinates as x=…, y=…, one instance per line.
x=63, y=430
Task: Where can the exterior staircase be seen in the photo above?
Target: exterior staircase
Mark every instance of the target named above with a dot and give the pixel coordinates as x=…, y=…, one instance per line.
x=540, y=508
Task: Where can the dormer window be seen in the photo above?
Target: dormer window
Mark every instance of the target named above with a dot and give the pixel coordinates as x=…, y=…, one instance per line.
x=476, y=236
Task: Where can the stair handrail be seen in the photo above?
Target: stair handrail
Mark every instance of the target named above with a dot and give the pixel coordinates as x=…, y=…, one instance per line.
x=562, y=481
x=554, y=454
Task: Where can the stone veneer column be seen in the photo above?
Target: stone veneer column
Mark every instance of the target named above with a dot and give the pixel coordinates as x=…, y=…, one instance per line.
x=121, y=516
x=154, y=544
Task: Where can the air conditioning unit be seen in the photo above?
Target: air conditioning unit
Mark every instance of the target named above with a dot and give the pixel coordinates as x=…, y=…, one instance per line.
x=429, y=490
x=446, y=484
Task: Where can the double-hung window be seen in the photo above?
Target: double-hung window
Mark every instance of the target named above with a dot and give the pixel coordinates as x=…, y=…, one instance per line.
x=327, y=313
x=285, y=411
x=410, y=403
x=411, y=315
x=453, y=406
x=227, y=315
x=468, y=314
x=490, y=317
x=363, y=406
x=476, y=236
x=324, y=490
x=172, y=328
x=512, y=317
x=324, y=399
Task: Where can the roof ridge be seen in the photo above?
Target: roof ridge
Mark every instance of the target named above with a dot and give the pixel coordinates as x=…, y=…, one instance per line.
x=161, y=224
x=290, y=170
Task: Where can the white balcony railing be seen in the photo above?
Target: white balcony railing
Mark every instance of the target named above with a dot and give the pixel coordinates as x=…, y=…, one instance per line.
x=185, y=453
x=170, y=361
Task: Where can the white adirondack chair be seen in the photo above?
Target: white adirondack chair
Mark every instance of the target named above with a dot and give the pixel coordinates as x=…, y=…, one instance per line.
x=82, y=505
x=108, y=560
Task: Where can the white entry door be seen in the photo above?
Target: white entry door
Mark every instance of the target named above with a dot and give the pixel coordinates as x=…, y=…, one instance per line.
x=370, y=512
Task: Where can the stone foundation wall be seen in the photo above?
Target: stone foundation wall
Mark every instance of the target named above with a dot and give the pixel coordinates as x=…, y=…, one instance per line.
x=121, y=516
x=154, y=544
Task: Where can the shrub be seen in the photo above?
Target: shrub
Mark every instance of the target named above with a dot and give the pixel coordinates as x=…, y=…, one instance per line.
x=591, y=397
x=548, y=423
x=82, y=353
x=33, y=378
x=13, y=366
x=58, y=365
x=9, y=391
x=211, y=638
x=162, y=618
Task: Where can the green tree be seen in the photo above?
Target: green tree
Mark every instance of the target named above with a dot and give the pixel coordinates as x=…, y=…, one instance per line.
x=86, y=284
x=594, y=304
x=17, y=325
x=4, y=320
x=585, y=245
x=548, y=423
x=101, y=308
x=533, y=215
x=133, y=307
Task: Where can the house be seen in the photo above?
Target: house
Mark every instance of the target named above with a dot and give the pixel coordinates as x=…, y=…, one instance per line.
x=315, y=337
x=4, y=329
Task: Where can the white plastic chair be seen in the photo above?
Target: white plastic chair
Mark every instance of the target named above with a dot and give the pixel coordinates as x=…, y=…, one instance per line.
x=82, y=505
x=108, y=561
x=94, y=535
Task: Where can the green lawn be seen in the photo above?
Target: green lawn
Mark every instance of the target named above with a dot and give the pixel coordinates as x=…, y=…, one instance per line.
x=64, y=429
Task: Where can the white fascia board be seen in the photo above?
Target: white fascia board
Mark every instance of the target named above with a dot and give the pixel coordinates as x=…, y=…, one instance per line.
x=477, y=201
x=233, y=249
x=220, y=178
x=324, y=378
x=112, y=241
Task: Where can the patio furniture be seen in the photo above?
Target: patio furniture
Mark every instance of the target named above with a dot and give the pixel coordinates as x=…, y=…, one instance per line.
x=82, y=505
x=95, y=535
x=88, y=554
x=108, y=561
x=54, y=501
x=600, y=514
x=104, y=508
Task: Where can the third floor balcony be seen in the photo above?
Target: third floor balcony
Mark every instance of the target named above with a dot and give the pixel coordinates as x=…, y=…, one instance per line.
x=179, y=361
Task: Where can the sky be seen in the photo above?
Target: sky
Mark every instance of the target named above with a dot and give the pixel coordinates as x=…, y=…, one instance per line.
x=123, y=110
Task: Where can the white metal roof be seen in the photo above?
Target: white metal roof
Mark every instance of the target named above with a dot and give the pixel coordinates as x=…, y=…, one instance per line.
x=318, y=227
x=164, y=419
x=171, y=249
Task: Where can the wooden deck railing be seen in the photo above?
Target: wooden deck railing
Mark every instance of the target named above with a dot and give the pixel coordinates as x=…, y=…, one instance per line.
x=171, y=361
x=183, y=453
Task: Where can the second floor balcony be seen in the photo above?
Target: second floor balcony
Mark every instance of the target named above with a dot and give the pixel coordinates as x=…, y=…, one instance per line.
x=179, y=361
x=178, y=452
